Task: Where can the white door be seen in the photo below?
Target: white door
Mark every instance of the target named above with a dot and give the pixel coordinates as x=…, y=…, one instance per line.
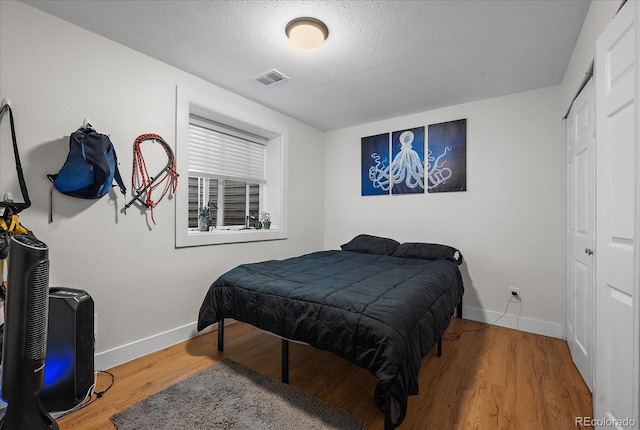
x=617, y=220
x=581, y=207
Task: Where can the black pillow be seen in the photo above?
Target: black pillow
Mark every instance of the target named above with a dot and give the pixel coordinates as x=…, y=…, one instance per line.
x=427, y=251
x=371, y=245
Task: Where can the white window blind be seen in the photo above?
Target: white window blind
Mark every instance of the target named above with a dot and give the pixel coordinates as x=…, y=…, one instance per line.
x=218, y=152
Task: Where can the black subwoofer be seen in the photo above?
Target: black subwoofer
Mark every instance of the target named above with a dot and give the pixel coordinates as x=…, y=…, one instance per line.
x=69, y=365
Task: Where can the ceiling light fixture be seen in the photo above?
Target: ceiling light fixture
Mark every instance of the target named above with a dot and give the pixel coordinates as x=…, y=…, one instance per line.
x=307, y=33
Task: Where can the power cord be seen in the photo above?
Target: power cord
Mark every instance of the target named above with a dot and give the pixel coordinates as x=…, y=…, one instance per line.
x=456, y=335
x=113, y=380
x=88, y=399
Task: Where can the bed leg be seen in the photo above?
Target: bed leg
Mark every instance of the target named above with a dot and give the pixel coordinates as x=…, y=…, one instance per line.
x=388, y=425
x=221, y=335
x=285, y=361
x=439, y=350
x=459, y=309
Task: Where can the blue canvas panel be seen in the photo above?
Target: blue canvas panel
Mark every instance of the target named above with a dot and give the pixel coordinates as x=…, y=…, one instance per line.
x=375, y=165
x=407, y=167
x=447, y=156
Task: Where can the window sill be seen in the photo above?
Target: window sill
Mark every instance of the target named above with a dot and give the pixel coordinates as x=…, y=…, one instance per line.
x=219, y=237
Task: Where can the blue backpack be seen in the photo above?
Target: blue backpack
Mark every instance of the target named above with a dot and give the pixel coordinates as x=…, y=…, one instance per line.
x=90, y=168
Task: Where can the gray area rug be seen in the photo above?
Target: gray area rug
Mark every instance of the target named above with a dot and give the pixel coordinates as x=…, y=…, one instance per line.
x=229, y=396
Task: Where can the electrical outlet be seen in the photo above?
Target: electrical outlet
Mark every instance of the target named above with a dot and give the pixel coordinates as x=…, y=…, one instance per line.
x=515, y=293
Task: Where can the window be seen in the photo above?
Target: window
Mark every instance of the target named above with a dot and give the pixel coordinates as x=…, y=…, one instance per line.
x=239, y=200
x=232, y=161
x=226, y=173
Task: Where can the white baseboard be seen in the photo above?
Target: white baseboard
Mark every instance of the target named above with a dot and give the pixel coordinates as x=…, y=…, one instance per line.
x=121, y=354
x=516, y=322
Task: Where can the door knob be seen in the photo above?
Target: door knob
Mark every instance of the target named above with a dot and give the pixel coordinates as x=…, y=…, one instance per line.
x=588, y=251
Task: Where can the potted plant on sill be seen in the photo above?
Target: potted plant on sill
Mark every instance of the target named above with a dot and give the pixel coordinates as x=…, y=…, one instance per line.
x=204, y=218
x=265, y=219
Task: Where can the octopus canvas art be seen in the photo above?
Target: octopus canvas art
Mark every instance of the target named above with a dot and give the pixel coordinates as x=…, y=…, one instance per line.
x=394, y=163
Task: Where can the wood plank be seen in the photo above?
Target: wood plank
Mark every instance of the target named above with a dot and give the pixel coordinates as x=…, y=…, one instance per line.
x=494, y=378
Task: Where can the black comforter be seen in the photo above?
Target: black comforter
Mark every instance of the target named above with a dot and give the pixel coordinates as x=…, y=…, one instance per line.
x=380, y=312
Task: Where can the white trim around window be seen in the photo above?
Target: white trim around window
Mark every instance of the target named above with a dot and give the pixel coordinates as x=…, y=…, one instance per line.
x=274, y=198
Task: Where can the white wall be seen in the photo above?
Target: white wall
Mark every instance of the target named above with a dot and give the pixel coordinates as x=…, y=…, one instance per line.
x=146, y=292
x=508, y=224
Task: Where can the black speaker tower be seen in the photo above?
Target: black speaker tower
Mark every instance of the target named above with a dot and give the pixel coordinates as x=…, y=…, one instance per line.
x=25, y=336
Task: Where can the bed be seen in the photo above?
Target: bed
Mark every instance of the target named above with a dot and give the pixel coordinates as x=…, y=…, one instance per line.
x=380, y=304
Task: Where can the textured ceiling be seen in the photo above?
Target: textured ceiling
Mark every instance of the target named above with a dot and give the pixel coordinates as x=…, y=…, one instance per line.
x=382, y=59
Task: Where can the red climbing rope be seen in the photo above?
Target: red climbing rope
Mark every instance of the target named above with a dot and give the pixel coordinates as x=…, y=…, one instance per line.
x=143, y=183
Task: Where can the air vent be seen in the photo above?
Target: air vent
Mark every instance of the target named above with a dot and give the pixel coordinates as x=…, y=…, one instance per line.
x=271, y=77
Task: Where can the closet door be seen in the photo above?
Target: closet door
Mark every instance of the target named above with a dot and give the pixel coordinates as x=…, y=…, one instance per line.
x=581, y=208
x=617, y=225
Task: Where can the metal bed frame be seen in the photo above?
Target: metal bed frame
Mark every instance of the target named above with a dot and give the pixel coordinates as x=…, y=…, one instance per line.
x=388, y=425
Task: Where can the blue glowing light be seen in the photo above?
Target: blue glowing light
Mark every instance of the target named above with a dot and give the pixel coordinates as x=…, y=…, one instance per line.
x=57, y=366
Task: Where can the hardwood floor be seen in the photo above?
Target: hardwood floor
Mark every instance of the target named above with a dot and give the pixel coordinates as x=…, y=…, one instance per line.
x=496, y=378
